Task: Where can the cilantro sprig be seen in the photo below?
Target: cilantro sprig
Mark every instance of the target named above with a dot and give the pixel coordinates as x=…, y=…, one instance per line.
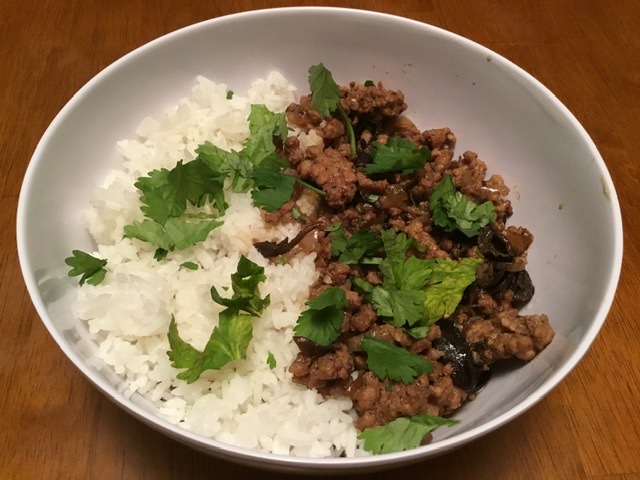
x=175, y=234
x=165, y=193
x=246, y=294
x=258, y=151
x=452, y=210
x=321, y=322
x=403, y=433
x=387, y=361
x=358, y=248
x=325, y=98
x=397, y=155
x=230, y=339
x=415, y=292
x=91, y=268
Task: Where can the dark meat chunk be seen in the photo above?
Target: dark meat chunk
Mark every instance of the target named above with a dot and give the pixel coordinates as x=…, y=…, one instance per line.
x=432, y=173
x=333, y=173
x=364, y=318
x=368, y=186
x=501, y=332
x=333, y=129
x=417, y=230
x=319, y=372
x=302, y=114
x=391, y=334
x=336, y=273
x=292, y=151
x=378, y=402
x=360, y=99
x=438, y=138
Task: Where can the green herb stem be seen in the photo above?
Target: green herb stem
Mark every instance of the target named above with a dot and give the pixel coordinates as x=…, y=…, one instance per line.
x=347, y=124
x=311, y=187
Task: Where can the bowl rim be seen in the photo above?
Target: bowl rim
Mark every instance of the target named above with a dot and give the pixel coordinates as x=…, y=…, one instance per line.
x=254, y=457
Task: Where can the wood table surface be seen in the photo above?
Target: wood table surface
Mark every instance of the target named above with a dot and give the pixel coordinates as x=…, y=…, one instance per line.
x=54, y=424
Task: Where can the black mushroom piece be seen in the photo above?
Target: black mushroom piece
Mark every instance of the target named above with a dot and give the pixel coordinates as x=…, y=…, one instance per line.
x=273, y=249
x=456, y=351
x=504, y=269
x=310, y=348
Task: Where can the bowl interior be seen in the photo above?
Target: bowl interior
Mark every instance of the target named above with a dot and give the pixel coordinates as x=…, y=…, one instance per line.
x=561, y=189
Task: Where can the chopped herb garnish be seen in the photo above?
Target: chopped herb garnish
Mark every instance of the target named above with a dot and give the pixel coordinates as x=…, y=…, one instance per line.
x=244, y=283
x=296, y=214
x=229, y=94
x=175, y=234
x=395, y=363
x=91, y=268
x=369, y=83
x=352, y=250
x=397, y=155
x=325, y=98
x=230, y=339
x=258, y=150
x=452, y=210
x=165, y=193
x=321, y=322
x=416, y=293
x=228, y=342
x=272, y=189
x=403, y=433
x=271, y=361
x=446, y=284
x=190, y=265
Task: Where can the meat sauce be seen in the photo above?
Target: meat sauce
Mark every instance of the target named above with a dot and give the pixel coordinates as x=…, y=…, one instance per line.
x=486, y=326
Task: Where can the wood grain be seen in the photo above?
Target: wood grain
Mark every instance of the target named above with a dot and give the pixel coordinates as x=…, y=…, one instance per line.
x=54, y=424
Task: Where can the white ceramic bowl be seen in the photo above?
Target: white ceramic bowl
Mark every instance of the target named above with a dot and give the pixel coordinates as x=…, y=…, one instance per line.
x=561, y=189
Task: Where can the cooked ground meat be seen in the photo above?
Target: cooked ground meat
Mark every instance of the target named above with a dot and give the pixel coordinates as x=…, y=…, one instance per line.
x=486, y=325
x=332, y=172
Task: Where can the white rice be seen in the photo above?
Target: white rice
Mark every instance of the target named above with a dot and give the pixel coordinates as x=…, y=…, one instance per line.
x=246, y=403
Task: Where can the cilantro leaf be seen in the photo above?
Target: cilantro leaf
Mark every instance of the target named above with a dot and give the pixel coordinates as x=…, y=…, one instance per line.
x=351, y=250
x=91, y=268
x=165, y=193
x=272, y=189
x=452, y=210
x=325, y=98
x=258, y=149
x=446, y=286
x=228, y=342
x=403, y=433
x=227, y=162
x=398, y=272
x=321, y=322
x=415, y=292
x=230, y=339
x=263, y=125
x=175, y=234
x=263, y=121
x=325, y=92
x=397, y=155
x=369, y=83
x=246, y=294
x=189, y=265
x=271, y=361
x=182, y=354
x=401, y=307
x=363, y=287
x=395, y=363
